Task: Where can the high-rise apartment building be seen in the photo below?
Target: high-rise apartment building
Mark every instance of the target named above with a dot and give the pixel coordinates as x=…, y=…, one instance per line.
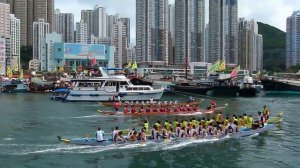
x=87, y=16
x=152, y=32
x=119, y=40
x=293, y=39
x=100, y=21
x=171, y=33
x=111, y=21
x=189, y=31
x=250, y=46
x=29, y=11
x=126, y=22
x=81, y=32
x=4, y=20
x=66, y=27
x=40, y=29
x=223, y=31
x=14, y=60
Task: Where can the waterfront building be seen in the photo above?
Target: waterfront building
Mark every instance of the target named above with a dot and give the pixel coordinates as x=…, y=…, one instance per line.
x=293, y=39
x=250, y=46
x=40, y=29
x=83, y=54
x=4, y=20
x=66, y=26
x=81, y=32
x=51, y=63
x=100, y=21
x=223, y=31
x=119, y=40
x=14, y=59
x=189, y=31
x=152, y=32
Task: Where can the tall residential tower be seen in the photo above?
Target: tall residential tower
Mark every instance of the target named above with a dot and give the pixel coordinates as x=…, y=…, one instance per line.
x=189, y=31
x=293, y=40
x=223, y=31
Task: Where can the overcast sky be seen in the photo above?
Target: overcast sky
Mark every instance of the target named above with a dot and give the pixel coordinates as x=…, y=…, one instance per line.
x=273, y=12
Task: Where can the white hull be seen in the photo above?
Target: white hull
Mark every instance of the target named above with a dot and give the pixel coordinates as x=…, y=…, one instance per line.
x=96, y=96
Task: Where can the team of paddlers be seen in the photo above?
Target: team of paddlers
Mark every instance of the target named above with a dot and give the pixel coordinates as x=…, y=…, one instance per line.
x=163, y=107
x=200, y=128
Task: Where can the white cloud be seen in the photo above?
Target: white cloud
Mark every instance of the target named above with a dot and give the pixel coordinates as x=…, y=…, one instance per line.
x=273, y=12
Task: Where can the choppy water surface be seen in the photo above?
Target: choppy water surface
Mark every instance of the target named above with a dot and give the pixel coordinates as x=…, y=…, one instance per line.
x=29, y=124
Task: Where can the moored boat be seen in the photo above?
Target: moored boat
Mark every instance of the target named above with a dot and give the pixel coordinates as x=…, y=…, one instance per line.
x=247, y=88
x=107, y=88
x=193, y=87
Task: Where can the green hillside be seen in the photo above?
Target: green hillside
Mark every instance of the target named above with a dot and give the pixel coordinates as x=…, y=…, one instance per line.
x=274, y=47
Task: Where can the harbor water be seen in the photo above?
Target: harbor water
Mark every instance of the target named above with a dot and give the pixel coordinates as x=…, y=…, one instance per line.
x=30, y=124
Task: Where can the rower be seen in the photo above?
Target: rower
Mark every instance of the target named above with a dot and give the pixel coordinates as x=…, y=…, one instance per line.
x=126, y=110
x=155, y=133
x=141, y=109
x=175, y=123
x=266, y=112
x=182, y=109
x=260, y=119
x=182, y=133
x=219, y=118
x=193, y=132
x=177, y=130
x=133, y=136
x=196, y=108
x=146, y=126
x=176, y=110
x=114, y=133
x=226, y=121
x=130, y=133
x=202, y=122
x=188, y=108
x=241, y=122
x=133, y=109
x=245, y=119
x=249, y=122
x=155, y=110
x=165, y=132
x=142, y=135
x=99, y=135
x=119, y=137
x=148, y=109
x=158, y=125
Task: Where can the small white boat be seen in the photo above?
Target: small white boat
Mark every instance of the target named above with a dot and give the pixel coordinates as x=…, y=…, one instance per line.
x=109, y=88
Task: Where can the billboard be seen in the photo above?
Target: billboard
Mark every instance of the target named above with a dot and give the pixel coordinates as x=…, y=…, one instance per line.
x=84, y=51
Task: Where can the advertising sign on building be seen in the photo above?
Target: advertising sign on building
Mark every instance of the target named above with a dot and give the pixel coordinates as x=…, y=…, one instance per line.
x=85, y=51
x=2, y=56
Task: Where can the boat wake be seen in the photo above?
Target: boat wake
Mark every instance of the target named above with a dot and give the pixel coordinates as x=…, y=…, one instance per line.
x=28, y=149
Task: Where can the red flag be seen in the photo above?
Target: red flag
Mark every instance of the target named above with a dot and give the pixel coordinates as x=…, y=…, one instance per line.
x=235, y=72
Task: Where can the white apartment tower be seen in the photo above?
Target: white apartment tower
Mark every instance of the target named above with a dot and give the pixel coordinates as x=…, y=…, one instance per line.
x=223, y=31
x=189, y=31
x=119, y=40
x=15, y=39
x=40, y=29
x=152, y=32
x=100, y=21
x=293, y=39
x=4, y=20
x=66, y=27
x=250, y=46
x=81, y=32
x=111, y=21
